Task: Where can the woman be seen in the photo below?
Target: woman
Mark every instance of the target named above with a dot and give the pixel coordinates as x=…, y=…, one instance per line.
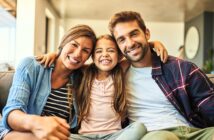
x=39, y=105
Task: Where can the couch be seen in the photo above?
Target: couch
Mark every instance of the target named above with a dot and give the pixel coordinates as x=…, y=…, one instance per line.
x=6, y=81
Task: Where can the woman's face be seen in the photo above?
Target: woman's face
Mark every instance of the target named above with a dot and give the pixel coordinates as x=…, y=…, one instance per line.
x=76, y=52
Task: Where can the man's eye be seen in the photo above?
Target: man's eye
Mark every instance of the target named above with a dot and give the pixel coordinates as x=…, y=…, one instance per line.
x=121, y=40
x=134, y=34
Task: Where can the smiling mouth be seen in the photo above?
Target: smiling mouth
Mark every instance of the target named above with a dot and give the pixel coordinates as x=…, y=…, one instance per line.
x=132, y=49
x=72, y=60
x=105, y=61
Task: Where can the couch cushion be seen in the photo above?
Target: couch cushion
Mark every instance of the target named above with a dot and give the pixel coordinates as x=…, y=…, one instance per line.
x=211, y=77
x=5, y=84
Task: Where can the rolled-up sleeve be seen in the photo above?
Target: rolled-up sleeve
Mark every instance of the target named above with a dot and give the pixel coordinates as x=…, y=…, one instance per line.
x=20, y=90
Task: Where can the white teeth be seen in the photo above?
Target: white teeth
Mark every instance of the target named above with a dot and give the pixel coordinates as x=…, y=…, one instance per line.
x=105, y=61
x=73, y=60
x=132, y=51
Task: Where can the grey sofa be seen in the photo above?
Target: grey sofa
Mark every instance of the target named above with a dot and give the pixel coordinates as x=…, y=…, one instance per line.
x=6, y=81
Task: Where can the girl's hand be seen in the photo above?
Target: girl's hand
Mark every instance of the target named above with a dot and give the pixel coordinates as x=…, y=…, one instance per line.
x=160, y=50
x=47, y=59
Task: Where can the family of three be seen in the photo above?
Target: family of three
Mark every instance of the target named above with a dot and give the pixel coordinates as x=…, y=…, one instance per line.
x=142, y=97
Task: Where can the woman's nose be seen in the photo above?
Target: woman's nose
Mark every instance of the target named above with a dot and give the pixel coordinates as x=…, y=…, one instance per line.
x=78, y=53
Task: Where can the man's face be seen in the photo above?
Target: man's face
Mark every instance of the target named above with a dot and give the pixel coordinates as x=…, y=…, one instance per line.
x=131, y=39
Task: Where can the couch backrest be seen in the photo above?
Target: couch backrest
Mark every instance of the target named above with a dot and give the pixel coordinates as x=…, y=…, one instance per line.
x=211, y=77
x=6, y=79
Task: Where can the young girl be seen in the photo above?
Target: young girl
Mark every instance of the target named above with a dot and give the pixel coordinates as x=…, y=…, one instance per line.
x=101, y=99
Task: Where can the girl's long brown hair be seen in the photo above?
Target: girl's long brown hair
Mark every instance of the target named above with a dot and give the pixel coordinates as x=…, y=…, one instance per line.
x=84, y=91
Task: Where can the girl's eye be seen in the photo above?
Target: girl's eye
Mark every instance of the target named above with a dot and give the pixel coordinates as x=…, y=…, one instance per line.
x=111, y=50
x=98, y=51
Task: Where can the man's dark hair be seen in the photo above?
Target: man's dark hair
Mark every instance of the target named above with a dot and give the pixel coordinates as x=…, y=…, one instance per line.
x=126, y=16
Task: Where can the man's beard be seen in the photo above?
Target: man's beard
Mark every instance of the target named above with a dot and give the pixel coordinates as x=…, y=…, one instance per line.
x=144, y=49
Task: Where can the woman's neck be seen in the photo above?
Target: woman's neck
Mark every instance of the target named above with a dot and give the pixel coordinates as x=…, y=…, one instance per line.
x=60, y=75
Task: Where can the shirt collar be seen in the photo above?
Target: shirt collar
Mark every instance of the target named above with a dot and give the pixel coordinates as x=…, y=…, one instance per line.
x=156, y=64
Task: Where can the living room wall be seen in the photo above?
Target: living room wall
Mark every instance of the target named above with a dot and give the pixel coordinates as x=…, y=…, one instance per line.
x=171, y=34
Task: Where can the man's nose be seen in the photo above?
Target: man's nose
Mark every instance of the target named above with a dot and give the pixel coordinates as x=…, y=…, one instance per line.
x=129, y=42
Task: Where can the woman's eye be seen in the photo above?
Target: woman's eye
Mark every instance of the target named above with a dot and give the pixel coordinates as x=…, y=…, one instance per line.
x=86, y=51
x=74, y=45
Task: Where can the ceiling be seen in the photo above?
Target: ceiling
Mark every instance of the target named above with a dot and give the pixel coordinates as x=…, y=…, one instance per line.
x=151, y=10
x=9, y=5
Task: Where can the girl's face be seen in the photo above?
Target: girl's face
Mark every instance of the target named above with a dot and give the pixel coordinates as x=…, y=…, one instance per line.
x=76, y=52
x=105, y=55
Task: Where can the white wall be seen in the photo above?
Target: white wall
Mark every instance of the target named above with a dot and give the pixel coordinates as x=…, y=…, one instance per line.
x=7, y=37
x=30, y=34
x=170, y=34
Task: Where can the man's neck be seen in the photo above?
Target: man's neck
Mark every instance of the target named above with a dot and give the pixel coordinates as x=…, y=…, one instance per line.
x=144, y=62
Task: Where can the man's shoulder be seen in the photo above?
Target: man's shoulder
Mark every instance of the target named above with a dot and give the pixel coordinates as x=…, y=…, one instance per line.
x=174, y=64
x=175, y=60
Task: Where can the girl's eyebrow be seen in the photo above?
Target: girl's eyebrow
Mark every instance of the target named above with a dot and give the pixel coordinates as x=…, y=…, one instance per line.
x=98, y=48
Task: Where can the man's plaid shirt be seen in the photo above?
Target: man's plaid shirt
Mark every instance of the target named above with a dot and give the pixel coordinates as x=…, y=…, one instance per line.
x=187, y=88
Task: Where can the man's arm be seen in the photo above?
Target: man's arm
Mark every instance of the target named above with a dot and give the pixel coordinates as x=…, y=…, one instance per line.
x=202, y=94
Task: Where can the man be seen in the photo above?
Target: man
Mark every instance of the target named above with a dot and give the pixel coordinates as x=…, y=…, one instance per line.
x=175, y=100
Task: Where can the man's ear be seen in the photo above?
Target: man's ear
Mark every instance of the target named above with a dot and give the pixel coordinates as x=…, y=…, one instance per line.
x=147, y=34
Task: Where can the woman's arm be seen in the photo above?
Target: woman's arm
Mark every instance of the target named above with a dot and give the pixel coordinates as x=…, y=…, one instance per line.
x=160, y=50
x=15, y=115
x=41, y=127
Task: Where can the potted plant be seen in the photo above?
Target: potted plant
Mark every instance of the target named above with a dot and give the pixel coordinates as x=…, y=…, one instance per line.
x=208, y=64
